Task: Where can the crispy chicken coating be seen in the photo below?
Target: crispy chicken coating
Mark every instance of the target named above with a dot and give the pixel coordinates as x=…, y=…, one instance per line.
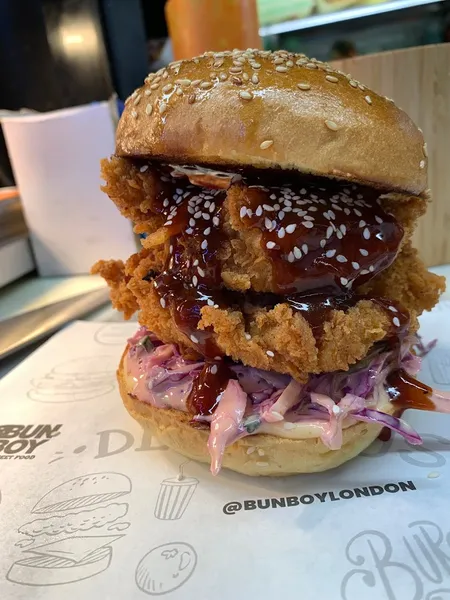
x=276, y=336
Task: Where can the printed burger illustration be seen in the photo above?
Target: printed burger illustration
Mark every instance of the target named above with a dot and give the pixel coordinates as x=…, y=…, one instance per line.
x=75, y=381
x=72, y=536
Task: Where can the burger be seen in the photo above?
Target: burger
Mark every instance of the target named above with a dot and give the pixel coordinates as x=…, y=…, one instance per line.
x=277, y=287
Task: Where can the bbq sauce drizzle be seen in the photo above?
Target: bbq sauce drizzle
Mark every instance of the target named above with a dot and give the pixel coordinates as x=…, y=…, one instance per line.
x=321, y=241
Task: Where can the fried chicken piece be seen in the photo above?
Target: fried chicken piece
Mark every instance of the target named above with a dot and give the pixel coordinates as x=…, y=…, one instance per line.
x=345, y=338
x=245, y=262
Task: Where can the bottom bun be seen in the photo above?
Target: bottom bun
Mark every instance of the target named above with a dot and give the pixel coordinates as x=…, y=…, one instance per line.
x=277, y=456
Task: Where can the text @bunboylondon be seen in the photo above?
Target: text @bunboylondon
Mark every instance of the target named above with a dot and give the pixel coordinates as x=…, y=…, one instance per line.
x=230, y=508
x=19, y=442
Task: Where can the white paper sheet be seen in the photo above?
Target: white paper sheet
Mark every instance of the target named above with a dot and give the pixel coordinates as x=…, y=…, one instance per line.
x=56, y=161
x=90, y=508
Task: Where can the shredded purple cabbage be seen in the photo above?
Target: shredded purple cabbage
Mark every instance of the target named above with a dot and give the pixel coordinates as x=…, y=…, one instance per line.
x=326, y=398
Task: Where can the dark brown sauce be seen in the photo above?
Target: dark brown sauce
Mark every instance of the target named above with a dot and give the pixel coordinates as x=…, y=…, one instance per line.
x=322, y=235
x=406, y=392
x=345, y=221
x=210, y=383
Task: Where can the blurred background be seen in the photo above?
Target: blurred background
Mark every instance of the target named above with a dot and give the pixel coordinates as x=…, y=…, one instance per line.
x=62, y=53
x=68, y=65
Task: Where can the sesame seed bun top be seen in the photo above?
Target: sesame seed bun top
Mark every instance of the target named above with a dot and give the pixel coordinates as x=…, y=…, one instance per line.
x=275, y=110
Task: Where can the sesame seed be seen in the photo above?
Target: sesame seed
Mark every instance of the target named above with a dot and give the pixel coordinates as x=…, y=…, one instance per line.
x=194, y=339
x=425, y=150
x=179, y=91
x=245, y=95
x=223, y=77
x=392, y=309
x=134, y=114
x=371, y=269
x=243, y=212
x=362, y=223
x=368, y=99
x=343, y=229
x=366, y=234
x=291, y=228
x=357, y=212
x=167, y=88
x=189, y=231
x=422, y=164
x=330, y=253
x=162, y=107
x=323, y=243
x=331, y=125
x=270, y=353
x=255, y=65
x=196, y=82
x=278, y=61
x=185, y=82
x=206, y=216
x=266, y=144
x=344, y=281
x=204, y=244
x=195, y=263
x=262, y=464
x=143, y=168
x=363, y=252
x=201, y=272
x=331, y=78
x=303, y=86
x=281, y=215
x=251, y=449
x=307, y=224
x=207, y=231
x=291, y=257
x=361, y=87
x=289, y=63
x=259, y=211
x=353, y=83
x=329, y=232
x=270, y=245
x=339, y=234
x=247, y=336
x=340, y=258
x=281, y=69
x=305, y=248
x=147, y=92
x=206, y=85
x=308, y=218
x=396, y=321
x=255, y=79
x=311, y=65
x=162, y=302
x=194, y=280
x=364, y=272
x=378, y=219
x=245, y=77
x=268, y=207
x=355, y=265
x=281, y=232
x=216, y=221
